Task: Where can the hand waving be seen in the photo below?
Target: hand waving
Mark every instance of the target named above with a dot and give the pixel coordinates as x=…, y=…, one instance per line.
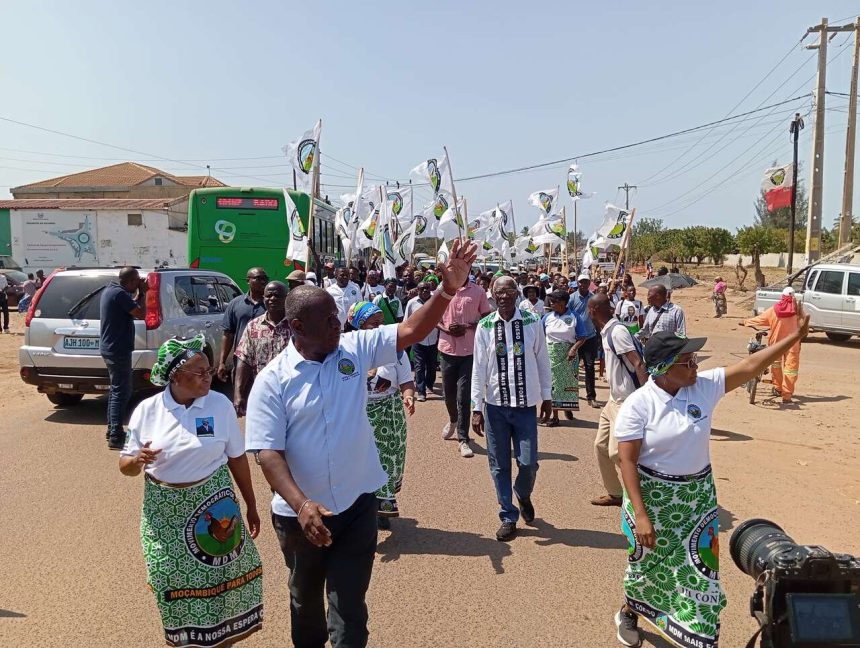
x=455, y=271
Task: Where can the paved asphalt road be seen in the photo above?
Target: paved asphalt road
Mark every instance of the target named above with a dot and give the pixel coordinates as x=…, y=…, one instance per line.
x=72, y=573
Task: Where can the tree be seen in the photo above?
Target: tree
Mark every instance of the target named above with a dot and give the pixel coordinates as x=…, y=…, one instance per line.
x=718, y=242
x=755, y=241
x=645, y=239
x=780, y=218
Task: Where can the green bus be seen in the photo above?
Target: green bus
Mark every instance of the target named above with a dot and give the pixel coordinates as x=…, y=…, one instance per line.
x=231, y=229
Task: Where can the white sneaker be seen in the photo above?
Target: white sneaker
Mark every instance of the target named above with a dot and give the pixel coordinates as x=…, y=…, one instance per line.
x=448, y=432
x=465, y=450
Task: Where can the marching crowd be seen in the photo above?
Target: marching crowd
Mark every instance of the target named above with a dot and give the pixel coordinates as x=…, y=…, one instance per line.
x=326, y=377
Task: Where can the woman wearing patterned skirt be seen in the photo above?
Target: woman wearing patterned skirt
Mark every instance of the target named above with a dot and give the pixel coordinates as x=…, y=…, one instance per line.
x=669, y=513
x=563, y=339
x=201, y=561
x=390, y=388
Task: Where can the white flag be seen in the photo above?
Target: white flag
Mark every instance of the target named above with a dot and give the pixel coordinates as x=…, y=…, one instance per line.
x=405, y=244
x=526, y=247
x=443, y=254
x=548, y=229
x=366, y=234
x=401, y=204
x=614, y=224
x=341, y=227
x=544, y=200
x=297, y=248
x=435, y=171
x=302, y=154
x=384, y=241
x=574, y=183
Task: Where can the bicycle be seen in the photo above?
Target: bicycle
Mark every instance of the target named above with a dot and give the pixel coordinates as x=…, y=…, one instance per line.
x=754, y=346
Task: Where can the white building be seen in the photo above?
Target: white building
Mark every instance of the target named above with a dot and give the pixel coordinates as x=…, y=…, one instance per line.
x=52, y=233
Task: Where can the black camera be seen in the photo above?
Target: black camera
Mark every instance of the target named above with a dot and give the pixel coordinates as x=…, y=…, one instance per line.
x=805, y=596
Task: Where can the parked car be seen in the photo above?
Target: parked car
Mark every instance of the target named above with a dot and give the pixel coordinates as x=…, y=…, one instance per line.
x=60, y=354
x=14, y=285
x=8, y=263
x=830, y=294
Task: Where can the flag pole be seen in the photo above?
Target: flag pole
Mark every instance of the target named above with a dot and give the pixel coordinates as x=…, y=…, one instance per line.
x=564, y=224
x=315, y=179
x=624, y=243
x=454, y=192
x=575, y=233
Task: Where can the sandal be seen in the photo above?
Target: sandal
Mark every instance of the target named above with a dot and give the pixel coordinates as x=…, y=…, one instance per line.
x=552, y=423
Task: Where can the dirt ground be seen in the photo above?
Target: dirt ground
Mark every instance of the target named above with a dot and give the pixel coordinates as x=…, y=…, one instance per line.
x=72, y=572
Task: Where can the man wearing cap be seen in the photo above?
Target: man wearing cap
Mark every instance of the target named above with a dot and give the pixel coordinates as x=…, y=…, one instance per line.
x=663, y=431
x=307, y=420
x=344, y=292
x=781, y=319
x=391, y=307
x=295, y=278
x=328, y=275
x=588, y=352
x=626, y=372
x=372, y=287
x=264, y=338
x=663, y=314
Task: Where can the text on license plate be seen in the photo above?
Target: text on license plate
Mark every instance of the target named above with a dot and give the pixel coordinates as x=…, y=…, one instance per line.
x=81, y=343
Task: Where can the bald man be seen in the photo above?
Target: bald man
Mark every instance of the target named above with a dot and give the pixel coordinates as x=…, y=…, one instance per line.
x=307, y=420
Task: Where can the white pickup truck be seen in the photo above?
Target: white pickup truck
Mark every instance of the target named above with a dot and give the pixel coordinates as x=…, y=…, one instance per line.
x=830, y=294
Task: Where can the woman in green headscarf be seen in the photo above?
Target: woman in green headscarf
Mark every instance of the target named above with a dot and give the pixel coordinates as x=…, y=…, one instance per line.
x=201, y=561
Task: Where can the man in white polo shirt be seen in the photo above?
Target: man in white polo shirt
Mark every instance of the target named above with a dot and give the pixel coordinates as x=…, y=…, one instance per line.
x=344, y=292
x=307, y=420
x=626, y=373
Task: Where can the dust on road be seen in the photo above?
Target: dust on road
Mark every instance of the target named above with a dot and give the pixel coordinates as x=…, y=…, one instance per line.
x=72, y=571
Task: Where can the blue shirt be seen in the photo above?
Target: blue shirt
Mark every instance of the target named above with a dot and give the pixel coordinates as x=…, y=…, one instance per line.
x=240, y=311
x=316, y=413
x=579, y=305
x=117, y=322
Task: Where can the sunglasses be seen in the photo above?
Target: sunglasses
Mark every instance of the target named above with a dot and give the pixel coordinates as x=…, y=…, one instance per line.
x=689, y=364
x=258, y=278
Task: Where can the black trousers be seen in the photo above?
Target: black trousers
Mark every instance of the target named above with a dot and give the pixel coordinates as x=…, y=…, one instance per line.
x=4, y=307
x=587, y=355
x=342, y=571
x=457, y=382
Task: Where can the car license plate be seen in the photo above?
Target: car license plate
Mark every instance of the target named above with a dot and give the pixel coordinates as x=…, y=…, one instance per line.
x=102, y=387
x=81, y=343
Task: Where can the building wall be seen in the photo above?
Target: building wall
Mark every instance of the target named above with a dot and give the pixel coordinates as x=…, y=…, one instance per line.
x=53, y=238
x=168, y=192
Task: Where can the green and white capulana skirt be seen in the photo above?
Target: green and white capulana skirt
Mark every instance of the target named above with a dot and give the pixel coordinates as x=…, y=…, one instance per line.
x=388, y=420
x=676, y=586
x=565, y=376
x=201, y=564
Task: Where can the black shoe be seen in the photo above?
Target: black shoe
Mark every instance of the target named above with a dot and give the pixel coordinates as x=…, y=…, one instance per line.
x=627, y=625
x=527, y=510
x=506, y=532
x=116, y=443
x=107, y=435
x=383, y=523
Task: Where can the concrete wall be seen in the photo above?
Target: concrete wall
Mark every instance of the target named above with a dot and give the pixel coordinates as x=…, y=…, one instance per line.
x=775, y=260
x=51, y=238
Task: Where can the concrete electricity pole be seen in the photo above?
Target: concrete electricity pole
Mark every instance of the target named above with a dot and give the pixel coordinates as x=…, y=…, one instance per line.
x=627, y=188
x=794, y=129
x=851, y=135
x=813, y=224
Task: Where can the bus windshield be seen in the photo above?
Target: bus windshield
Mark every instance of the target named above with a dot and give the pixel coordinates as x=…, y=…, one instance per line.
x=232, y=229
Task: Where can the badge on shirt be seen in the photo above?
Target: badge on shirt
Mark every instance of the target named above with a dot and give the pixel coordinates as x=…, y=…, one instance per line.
x=205, y=426
x=695, y=412
x=347, y=368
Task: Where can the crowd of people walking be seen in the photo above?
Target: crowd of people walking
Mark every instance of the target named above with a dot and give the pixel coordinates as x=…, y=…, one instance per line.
x=324, y=377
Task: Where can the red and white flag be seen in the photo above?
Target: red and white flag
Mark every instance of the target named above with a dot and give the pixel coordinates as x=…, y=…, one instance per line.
x=776, y=185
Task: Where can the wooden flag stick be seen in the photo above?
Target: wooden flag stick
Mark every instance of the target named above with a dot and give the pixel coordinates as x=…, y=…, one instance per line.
x=564, y=258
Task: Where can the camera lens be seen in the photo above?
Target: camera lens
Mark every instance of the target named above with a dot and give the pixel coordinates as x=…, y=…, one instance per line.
x=756, y=543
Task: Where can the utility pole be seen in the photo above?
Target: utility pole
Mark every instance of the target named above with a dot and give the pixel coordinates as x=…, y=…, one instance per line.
x=794, y=129
x=813, y=224
x=847, y=221
x=627, y=188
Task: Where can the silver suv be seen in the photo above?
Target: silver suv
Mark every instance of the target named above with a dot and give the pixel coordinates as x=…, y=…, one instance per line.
x=60, y=354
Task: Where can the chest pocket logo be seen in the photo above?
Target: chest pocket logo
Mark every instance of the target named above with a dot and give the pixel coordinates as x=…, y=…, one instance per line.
x=695, y=412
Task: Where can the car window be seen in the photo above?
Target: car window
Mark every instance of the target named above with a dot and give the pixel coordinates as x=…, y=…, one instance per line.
x=227, y=292
x=811, y=281
x=830, y=282
x=64, y=291
x=854, y=284
x=184, y=295
x=206, y=295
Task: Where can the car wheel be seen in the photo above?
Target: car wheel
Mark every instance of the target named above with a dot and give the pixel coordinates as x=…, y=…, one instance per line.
x=65, y=400
x=838, y=337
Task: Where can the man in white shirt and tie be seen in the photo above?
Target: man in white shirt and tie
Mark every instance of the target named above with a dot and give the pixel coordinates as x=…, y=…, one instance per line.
x=510, y=376
x=307, y=422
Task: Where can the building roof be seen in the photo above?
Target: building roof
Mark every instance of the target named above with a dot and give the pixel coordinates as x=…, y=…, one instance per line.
x=88, y=203
x=124, y=174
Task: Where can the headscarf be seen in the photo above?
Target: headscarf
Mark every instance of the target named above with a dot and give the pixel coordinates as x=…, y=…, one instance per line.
x=433, y=278
x=663, y=367
x=172, y=355
x=786, y=307
x=360, y=312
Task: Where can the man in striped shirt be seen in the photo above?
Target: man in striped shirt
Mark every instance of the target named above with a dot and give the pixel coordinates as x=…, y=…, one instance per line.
x=663, y=315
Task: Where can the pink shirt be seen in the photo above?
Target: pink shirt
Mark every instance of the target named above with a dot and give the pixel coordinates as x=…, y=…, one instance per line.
x=467, y=307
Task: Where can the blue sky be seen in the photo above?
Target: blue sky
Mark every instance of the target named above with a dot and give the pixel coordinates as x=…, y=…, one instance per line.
x=502, y=84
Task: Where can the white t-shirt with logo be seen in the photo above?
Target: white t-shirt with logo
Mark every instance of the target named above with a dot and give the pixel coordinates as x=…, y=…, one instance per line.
x=344, y=298
x=194, y=441
x=618, y=370
x=675, y=430
x=628, y=312
x=396, y=374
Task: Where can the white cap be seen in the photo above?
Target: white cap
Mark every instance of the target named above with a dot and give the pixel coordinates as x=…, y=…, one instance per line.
x=788, y=292
x=583, y=276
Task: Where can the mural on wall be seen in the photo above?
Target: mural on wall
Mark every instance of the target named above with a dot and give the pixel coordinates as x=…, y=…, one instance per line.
x=60, y=238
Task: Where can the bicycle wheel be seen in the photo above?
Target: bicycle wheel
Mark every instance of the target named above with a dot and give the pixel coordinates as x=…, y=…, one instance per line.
x=752, y=386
